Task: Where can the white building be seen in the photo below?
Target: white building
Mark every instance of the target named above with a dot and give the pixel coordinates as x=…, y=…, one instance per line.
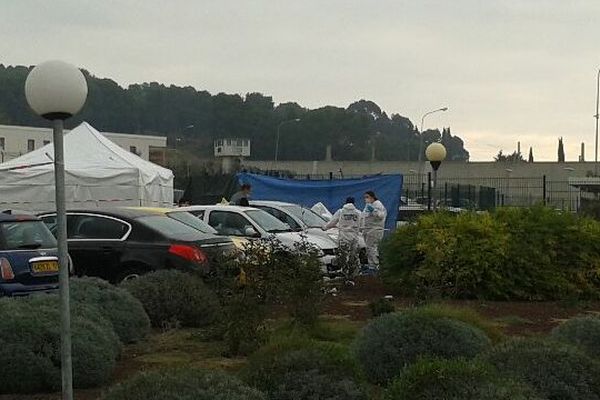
x=18, y=140
x=231, y=152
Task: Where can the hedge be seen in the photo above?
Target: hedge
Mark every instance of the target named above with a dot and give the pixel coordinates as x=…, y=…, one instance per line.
x=456, y=380
x=268, y=366
x=554, y=370
x=125, y=312
x=183, y=384
x=172, y=298
x=315, y=385
x=511, y=254
x=30, y=345
x=583, y=332
x=392, y=342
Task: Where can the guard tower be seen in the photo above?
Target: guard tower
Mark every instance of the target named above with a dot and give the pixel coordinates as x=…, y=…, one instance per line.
x=231, y=151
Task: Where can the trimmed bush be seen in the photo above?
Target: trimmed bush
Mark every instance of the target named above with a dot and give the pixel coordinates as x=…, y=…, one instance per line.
x=268, y=366
x=466, y=315
x=125, y=312
x=391, y=342
x=583, y=332
x=183, y=384
x=173, y=298
x=554, y=370
x=455, y=380
x=315, y=385
x=513, y=253
x=30, y=341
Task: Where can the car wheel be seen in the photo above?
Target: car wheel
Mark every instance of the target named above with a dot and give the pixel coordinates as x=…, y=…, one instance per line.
x=131, y=273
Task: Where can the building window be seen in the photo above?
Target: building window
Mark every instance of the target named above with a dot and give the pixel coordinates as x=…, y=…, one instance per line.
x=2, y=143
x=46, y=142
x=30, y=145
x=133, y=149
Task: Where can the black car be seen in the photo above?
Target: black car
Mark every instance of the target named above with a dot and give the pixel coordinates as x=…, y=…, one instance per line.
x=123, y=243
x=28, y=256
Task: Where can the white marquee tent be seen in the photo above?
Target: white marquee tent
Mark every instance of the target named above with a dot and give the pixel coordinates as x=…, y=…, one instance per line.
x=99, y=173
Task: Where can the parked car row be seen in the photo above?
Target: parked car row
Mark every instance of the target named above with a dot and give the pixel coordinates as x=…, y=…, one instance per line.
x=254, y=223
x=122, y=243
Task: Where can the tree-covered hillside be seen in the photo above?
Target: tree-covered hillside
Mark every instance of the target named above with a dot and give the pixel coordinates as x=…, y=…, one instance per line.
x=197, y=118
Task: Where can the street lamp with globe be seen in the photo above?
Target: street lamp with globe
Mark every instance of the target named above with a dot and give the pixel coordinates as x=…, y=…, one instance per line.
x=435, y=153
x=56, y=91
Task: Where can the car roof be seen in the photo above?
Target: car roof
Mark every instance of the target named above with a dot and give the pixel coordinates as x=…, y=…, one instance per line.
x=118, y=212
x=220, y=207
x=11, y=216
x=273, y=203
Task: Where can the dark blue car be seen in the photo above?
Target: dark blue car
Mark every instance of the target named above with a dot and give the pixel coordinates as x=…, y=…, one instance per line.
x=28, y=256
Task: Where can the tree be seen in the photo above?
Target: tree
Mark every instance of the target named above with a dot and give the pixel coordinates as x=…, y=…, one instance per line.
x=514, y=157
x=561, y=150
x=201, y=117
x=531, y=154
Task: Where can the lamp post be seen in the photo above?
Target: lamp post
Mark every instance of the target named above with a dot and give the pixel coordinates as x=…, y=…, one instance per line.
x=423, y=129
x=278, y=132
x=56, y=91
x=597, y=116
x=436, y=153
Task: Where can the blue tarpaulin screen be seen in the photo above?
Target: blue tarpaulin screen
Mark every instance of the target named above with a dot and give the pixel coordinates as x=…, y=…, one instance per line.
x=332, y=193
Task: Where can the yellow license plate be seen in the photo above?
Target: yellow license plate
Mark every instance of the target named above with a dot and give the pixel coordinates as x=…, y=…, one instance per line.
x=44, y=267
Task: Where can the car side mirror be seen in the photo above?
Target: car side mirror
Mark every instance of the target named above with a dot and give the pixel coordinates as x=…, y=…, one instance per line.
x=251, y=232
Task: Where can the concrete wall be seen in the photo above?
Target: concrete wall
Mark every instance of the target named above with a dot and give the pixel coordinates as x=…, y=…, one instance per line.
x=451, y=169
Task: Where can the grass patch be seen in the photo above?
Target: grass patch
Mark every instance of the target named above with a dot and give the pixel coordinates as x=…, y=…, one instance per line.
x=328, y=328
x=183, y=348
x=511, y=320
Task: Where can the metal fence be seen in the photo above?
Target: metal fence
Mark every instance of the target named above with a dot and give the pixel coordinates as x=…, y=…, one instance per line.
x=478, y=193
x=486, y=193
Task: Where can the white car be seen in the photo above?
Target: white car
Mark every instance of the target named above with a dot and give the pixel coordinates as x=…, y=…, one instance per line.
x=250, y=222
x=300, y=218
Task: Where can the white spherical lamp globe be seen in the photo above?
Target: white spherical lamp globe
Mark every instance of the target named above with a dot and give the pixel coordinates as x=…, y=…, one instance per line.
x=435, y=152
x=55, y=90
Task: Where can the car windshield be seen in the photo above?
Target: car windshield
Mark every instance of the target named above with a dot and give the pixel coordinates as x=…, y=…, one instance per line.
x=171, y=228
x=309, y=217
x=193, y=221
x=21, y=235
x=267, y=222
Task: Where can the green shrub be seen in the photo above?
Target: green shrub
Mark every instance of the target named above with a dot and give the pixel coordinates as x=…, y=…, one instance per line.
x=583, y=332
x=301, y=280
x=514, y=253
x=393, y=341
x=124, y=311
x=268, y=273
x=183, y=384
x=315, y=385
x=466, y=315
x=455, y=380
x=554, y=370
x=268, y=366
x=30, y=339
x=173, y=298
x=381, y=306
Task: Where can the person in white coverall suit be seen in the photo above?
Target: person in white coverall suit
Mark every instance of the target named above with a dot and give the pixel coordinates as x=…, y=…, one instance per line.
x=348, y=220
x=373, y=218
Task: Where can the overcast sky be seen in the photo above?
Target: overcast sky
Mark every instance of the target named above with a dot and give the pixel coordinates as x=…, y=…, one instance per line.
x=508, y=70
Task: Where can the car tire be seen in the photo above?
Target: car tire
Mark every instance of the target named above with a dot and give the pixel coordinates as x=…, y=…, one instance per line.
x=132, y=272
